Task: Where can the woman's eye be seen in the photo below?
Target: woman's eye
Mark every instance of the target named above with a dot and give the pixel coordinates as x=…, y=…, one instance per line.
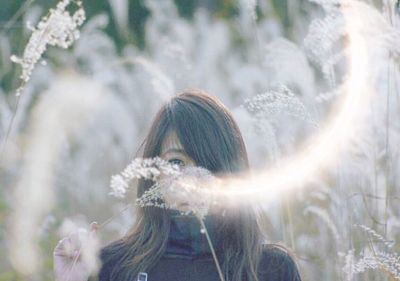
x=176, y=161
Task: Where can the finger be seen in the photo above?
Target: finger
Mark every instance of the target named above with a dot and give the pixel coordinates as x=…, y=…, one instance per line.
x=65, y=248
x=59, y=250
x=78, y=238
x=94, y=227
x=61, y=242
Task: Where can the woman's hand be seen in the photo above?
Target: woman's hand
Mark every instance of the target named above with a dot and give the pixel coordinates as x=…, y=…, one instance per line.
x=75, y=256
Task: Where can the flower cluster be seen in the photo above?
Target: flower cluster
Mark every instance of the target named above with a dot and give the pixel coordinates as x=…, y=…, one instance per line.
x=141, y=168
x=326, y=34
x=59, y=28
x=373, y=258
x=277, y=101
x=389, y=262
x=190, y=192
x=187, y=190
x=152, y=197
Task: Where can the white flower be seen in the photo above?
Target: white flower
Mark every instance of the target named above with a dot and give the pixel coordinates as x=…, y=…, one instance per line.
x=278, y=100
x=188, y=192
x=59, y=28
x=118, y=186
x=373, y=258
x=141, y=168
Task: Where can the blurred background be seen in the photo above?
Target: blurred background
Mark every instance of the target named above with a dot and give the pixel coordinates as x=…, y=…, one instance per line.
x=86, y=110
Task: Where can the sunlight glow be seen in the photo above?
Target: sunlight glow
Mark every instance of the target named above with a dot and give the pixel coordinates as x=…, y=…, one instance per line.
x=324, y=149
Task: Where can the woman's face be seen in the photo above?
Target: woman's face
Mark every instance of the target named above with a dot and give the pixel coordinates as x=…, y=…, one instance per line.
x=173, y=151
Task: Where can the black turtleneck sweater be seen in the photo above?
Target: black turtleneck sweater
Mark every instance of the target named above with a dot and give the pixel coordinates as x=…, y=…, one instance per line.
x=188, y=258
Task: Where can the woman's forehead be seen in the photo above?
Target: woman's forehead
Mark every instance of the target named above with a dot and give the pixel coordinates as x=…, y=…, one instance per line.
x=171, y=141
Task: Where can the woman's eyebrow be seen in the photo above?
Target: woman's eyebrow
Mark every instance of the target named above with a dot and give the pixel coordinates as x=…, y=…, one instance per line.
x=176, y=150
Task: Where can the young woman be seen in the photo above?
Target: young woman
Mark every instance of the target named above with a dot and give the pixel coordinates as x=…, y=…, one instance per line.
x=194, y=129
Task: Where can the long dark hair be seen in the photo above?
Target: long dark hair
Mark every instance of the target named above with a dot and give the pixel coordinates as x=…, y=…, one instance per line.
x=211, y=137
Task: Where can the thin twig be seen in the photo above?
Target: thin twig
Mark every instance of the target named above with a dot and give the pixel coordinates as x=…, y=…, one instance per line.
x=4, y=143
x=203, y=226
x=113, y=216
x=290, y=218
x=20, y=12
x=387, y=146
x=390, y=9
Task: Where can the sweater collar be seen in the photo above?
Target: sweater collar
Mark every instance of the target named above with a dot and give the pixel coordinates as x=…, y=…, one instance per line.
x=186, y=239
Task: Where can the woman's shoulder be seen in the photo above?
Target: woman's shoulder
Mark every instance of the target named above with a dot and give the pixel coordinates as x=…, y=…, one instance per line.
x=110, y=250
x=278, y=263
x=110, y=255
x=276, y=252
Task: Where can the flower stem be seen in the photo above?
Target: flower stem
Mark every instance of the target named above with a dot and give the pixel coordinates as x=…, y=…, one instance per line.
x=203, y=226
x=114, y=216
